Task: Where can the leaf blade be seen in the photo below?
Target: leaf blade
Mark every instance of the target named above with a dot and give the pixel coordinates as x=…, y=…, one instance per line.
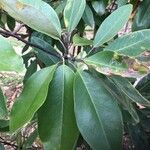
x=20, y=115
x=73, y=13
x=91, y=106
x=46, y=20
x=9, y=60
x=131, y=45
x=107, y=31
x=61, y=132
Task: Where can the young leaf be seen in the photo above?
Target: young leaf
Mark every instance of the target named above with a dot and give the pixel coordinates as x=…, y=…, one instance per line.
x=132, y=44
x=106, y=59
x=79, y=41
x=3, y=109
x=56, y=120
x=127, y=88
x=31, y=98
x=112, y=24
x=97, y=113
x=9, y=60
x=36, y=14
x=73, y=13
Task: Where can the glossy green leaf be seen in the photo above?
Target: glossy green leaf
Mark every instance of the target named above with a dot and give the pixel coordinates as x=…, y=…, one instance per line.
x=36, y=14
x=143, y=87
x=112, y=25
x=3, y=109
x=106, y=59
x=79, y=41
x=9, y=60
x=97, y=113
x=132, y=44
x=31, y=98
x=142, y=17
x=44, y=57
x=56, y=120
x=73, y=13
x=124, y=101
x=127, y=88
x=88, y=16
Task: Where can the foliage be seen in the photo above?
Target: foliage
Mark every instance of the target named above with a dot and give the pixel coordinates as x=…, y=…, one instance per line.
x=79, y=73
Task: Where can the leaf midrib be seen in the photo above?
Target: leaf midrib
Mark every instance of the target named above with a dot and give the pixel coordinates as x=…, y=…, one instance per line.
x=96, y=112
x=106, y=33
x=131, y=45
x=37, y=10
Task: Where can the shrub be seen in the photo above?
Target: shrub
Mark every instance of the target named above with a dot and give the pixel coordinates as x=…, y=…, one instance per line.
x=75, y=85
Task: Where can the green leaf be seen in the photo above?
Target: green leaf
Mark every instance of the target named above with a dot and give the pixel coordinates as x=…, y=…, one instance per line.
x=97, y=113
x=143, y=86
x=123, y=100
x=44, y=57
x=106, y=60
x=142, y=17
x=4, y=125
x=11, y=23
x=112, y=25
x=31, y=98
x=99, y=7
x=9, y=60
x=79, y=41
x=56, y=120
x=36, y=14
x=127, y=88
x=3, y=109
x=32, y=68
x=73, y=13
x=88, y=16
x=132, y=44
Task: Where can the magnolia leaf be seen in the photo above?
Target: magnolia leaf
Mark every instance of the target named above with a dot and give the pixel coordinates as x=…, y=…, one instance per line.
x=127, y=88
x=79, y=41
x=73, y=13
x=88, y=16
x=112, y=25
x=36, y=14
x=9, y=60
x=107, y=60
x=56, y=121
x=31, y=98
x=142, y=17
x=132, y=44
x=97, y=113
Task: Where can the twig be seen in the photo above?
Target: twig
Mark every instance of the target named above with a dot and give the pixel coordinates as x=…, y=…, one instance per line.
x=6, y=33
x=65, y=49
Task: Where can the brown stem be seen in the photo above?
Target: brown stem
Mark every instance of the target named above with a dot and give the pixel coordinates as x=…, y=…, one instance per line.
x=6, y=33
x=135, y=8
